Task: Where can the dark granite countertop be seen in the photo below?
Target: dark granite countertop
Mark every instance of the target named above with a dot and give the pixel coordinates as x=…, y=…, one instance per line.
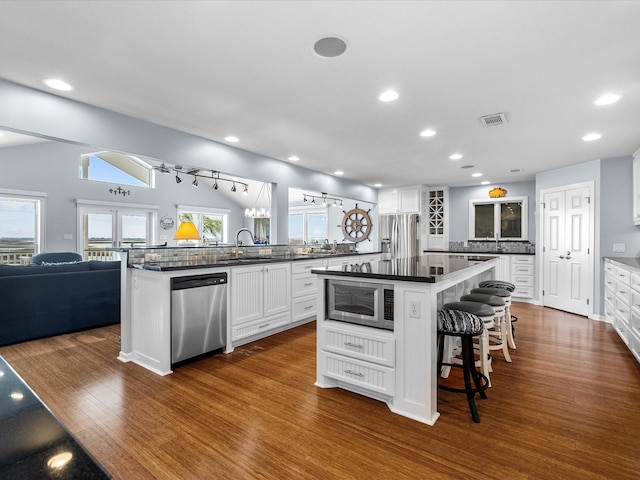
x=197, y=264
x=429, y=268
x=31, y=437
x=484, y=252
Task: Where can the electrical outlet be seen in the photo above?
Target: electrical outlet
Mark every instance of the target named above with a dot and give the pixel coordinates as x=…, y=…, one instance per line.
x=414, y=309
x=619, y=247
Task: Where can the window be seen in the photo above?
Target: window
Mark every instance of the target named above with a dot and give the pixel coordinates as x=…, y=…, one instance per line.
x=21, y=223
x=102, y=225
x=504, y=219
x=307, y=226
x=114, y=167
x=212, y=223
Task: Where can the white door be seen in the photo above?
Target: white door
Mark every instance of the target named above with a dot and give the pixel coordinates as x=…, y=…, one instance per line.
x=567, y=249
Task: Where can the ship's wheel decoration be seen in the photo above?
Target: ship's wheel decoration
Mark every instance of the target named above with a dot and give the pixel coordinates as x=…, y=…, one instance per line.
x=356, y=225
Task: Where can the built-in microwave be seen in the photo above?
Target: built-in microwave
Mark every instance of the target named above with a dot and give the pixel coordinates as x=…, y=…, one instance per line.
x=362, y=303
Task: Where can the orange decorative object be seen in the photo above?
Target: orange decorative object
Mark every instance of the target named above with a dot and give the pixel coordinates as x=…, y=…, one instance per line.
x=497, y=192
x=187, y=231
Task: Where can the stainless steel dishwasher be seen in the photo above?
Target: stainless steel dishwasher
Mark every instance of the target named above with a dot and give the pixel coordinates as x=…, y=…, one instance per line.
x=198, y=316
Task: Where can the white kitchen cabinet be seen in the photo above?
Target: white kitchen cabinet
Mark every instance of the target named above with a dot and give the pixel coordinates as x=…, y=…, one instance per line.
x=636, y=188
x=622, y=302
x=359, y=356
x=399, y=200
x=260, y=293
x=304, y=289
x=522, y=275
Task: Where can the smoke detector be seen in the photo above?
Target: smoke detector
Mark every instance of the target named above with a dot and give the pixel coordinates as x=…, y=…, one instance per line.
x=493, y=120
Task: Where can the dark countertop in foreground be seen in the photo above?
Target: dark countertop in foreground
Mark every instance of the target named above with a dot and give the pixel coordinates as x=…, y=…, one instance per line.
x=30, y=436
x=429, y=268
x=486, y=252
x=196, y=264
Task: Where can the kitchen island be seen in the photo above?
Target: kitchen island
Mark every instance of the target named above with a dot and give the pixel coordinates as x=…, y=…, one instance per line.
x=395, y=366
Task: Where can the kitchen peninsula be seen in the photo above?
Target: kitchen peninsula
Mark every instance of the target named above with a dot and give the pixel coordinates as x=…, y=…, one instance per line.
x=258, y=290
x=395, y=366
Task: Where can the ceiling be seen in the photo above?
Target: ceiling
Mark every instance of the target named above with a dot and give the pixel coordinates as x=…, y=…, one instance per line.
x=249, y=69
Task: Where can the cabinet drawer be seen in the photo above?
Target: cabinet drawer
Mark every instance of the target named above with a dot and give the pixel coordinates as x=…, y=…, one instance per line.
x=523, y=292
x=522, y=260
x=610, y=281
x=259, y=327
x=609, y=296
x=521, y=269
x=609, y=268
x=623, y=275
x=376, y=378
x=635, y=281
x=305, y=266
x=305, y=308
x=623, y=311
x=302, y=285
x=609, y=312
x=622, y=329
x=634, y=322
x=623, y=292
x=369, y=347
x=522, y=280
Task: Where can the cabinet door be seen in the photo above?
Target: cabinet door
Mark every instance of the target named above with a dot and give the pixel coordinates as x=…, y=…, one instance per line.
x=247, y=285
x=277, y=288
x=388, y=202
x=636, y=188
x=409, y=200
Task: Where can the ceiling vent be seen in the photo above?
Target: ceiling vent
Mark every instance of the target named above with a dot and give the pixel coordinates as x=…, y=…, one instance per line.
x=516, y=170
x=493, y=120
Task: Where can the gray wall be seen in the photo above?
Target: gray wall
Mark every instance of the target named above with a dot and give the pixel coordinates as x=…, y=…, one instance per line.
x=459, y=206
x=53, y=167
x=35, y=112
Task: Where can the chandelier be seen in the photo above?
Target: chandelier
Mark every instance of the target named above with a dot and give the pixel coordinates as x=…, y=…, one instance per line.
x=263, y=198
x=200, y=173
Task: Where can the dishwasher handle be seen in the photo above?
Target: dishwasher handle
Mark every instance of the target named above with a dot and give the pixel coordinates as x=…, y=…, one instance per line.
x=195, y=281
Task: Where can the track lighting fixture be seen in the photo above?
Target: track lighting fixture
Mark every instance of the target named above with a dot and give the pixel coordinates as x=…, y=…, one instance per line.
x=325, y=199
x=199, y=173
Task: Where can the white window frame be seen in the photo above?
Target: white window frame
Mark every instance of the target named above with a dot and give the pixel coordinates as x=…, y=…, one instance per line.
x=223, y=212
x=306, y=211
x=496, y=217
x=40, y=199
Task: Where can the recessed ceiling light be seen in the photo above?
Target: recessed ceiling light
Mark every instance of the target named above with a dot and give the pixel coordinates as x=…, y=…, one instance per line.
x=330, y=47
x=477, y=174
x=388, y=96
x=590, y=137
x=455, y=156
x=293, y=158
x=377, y=185
x=338, y=172
x=57, y=84
x=232, y=139
x=608, y=99
x=485, y=182
x=427, y=133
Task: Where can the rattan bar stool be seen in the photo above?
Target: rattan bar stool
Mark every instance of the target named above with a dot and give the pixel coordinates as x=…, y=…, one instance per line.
x=464, y=325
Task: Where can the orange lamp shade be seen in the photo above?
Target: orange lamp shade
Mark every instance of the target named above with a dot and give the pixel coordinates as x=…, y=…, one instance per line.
x=187, y=231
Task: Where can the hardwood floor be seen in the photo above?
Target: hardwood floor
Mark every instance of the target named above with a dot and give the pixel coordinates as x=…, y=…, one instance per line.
x=568, y=407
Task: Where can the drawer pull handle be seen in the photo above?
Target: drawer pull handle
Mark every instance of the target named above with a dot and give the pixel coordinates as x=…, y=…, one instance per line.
x=308, y=307
x=354, y=345
x=308, y=284
x=355, y=374
x=264, y=325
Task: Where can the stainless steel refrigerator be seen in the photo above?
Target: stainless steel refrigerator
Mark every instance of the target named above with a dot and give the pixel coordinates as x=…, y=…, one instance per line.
x=402, y=233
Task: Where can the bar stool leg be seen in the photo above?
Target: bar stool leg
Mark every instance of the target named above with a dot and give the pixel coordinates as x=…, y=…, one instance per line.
x=510, y=339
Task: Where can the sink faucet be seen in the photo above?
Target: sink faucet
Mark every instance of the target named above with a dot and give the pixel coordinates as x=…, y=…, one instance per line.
x=238, y=243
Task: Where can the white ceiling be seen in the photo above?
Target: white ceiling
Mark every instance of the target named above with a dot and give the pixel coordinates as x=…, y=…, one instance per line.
x=248, y=69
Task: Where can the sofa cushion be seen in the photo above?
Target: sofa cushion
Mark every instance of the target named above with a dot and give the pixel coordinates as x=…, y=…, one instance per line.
x=56, y=258
x=16, y=270
x=99, y=265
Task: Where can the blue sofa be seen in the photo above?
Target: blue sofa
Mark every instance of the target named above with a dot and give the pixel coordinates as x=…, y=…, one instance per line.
x=39, y=301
